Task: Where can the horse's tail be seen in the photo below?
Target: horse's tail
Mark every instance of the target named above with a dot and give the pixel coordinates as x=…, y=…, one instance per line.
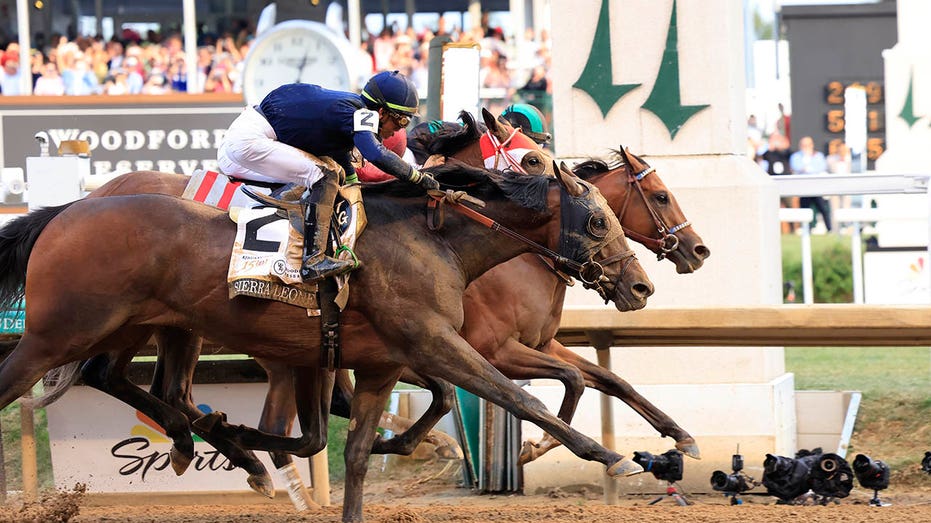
x=57, y=382
x=17, y=238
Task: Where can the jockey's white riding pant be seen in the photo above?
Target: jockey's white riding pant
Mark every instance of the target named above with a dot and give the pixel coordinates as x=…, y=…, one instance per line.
x=251, y=150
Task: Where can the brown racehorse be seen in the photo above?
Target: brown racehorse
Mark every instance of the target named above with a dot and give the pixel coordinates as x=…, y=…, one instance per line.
x=172, y=272
x=500, y=322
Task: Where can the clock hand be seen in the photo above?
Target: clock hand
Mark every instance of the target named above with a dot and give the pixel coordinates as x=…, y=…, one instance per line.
x=302, y=65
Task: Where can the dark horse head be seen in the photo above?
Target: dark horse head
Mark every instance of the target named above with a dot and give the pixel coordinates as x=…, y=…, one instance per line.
x=495, y=144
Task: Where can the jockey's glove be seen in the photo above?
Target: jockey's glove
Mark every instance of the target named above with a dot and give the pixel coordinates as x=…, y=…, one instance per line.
x=424, y=180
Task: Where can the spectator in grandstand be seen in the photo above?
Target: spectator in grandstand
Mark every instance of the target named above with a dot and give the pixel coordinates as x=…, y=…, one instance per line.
x=156, y=84
x=50, y=83
x=135, y=78
x=494, y=73
x=116, y=84
x=809, y=161
x=538, y=81
x=177, y=76
x=10, y=73
x=75, y=71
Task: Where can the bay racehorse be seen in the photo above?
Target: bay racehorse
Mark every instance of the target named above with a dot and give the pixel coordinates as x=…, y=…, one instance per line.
x=166, y=265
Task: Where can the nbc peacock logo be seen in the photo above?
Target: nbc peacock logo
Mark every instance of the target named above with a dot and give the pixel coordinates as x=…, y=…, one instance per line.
x=146, y=451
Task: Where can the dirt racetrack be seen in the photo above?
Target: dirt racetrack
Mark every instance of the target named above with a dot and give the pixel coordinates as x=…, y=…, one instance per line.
x=406, y=499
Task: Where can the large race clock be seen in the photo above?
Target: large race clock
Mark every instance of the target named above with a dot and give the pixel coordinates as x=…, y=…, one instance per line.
x=297, y=51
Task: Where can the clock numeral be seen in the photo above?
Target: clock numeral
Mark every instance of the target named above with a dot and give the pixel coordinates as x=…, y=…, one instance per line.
x=297, y=41
x=277, y=46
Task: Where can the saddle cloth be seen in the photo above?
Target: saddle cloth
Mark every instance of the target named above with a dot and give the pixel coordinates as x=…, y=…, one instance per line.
x=268, y=249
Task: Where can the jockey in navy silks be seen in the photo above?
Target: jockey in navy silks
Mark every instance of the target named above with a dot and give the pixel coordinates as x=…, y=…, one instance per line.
x=265, y=143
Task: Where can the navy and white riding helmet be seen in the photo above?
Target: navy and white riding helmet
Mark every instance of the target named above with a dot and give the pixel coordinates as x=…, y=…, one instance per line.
x=530, y=121
x=392, y=90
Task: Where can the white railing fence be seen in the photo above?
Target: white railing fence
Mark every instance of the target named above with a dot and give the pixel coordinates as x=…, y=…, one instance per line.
x=869, y=183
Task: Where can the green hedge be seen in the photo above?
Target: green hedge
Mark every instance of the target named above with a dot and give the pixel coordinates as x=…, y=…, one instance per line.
x=831, y=267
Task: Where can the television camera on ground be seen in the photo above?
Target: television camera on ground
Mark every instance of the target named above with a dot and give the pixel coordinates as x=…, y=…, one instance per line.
x=735, y=483
x=664, y=467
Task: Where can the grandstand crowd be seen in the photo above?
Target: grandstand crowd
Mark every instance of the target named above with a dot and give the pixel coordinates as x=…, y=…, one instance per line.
x=155, y=63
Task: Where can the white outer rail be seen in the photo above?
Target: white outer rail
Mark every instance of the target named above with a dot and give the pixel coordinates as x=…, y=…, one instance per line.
x=851, y=184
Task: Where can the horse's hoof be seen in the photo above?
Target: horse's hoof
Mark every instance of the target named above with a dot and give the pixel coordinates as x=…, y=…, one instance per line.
x=179, y=461
x=624, y=467
x=207, y=422
x=262, y=483
x=528, y=453
x=448, y=452
x=689, y=448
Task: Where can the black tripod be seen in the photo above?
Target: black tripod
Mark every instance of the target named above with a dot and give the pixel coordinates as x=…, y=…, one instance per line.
x=671, y=492
x=876, y=502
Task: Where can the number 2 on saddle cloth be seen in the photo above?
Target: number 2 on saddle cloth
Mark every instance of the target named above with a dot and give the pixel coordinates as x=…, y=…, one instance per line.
x=266, y=254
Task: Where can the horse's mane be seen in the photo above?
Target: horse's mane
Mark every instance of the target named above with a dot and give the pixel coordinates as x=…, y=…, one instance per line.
x=595, y=166
x=527, y=191
x=449, y=140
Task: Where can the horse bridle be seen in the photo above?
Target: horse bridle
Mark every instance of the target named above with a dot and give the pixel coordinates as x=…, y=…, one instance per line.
x=668, y=241
x=503, y=153
x=591, y=273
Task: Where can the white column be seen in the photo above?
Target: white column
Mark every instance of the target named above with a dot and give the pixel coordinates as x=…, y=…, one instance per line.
x=518, y=19
x=355, y=23
x=667, y=79
x=25, y=45
x=541, y=16
x=907, y=78
x=475, y=14
x=190, y=48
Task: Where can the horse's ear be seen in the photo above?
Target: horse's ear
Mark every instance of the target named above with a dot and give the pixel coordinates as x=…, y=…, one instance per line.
x=630, y=159
x=624, y=155
x=567, y=179
x=490, y=120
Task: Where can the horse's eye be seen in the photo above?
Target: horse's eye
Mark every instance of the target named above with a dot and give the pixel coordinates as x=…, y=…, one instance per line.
x=661, y=198
x=598, y=225
x=533, y=161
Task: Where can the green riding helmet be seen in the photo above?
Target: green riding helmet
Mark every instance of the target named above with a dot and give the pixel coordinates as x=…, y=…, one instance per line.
x=530, y=121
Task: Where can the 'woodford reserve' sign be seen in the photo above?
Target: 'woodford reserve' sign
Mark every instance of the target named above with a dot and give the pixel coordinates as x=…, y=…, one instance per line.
x=174, y=133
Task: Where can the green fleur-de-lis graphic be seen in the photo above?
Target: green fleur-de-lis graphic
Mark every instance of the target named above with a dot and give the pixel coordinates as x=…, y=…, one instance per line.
x=597, y=77
x=665, y=100
x=908, y=109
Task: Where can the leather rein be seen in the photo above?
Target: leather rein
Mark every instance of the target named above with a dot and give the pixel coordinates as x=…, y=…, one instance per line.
x=590, y=272
x=668, y=240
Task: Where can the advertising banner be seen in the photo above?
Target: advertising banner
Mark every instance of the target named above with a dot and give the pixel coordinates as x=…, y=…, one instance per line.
x=111, y=447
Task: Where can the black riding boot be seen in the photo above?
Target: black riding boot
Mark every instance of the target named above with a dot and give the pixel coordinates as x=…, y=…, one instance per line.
x=318, y=209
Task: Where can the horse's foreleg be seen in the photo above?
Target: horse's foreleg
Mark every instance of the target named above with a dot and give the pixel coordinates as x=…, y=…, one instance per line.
x=446, y=447
x=518, y=361
x=368, y=402
x=313, y=390
x=279, y=410
x=451, y=358
x=611, y=384
x=408, y=435
x=106, y=372
x=178, y=351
